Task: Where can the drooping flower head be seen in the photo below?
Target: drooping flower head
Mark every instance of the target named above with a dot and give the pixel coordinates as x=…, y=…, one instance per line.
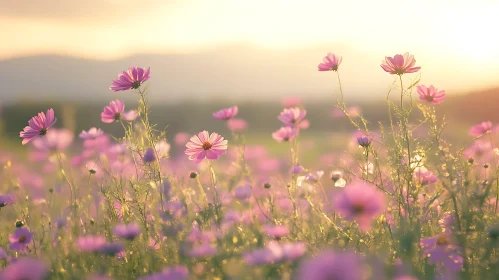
x=293, y=117
x=286, y=133
x=130, y=79
x=331, y=265
x=481, y=128
x=204, y=145
x=116, y=111
x=20, y=239
x=38, y=126
x=226, y=113
x=330, y=62
x=400, y=64
x=360, y=202
x=91, y=134
x=431, y=94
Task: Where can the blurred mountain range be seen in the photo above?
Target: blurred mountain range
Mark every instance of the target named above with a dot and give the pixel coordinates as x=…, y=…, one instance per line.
x=226, y=73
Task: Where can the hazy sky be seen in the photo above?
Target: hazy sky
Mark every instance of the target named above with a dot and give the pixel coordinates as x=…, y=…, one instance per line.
x=439, y=32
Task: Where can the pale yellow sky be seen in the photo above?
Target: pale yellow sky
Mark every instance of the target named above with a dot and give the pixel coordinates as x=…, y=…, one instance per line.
x=443, y=33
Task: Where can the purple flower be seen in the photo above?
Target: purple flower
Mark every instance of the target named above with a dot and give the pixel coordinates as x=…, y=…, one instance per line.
x=25, y=269
x=276, y=231
x=297, y=169
x=261, y=256
x=111, y=248
x=360, y=202
x=331, y=265
x=293, y=117
x=38, y=126
x=20, y=239
x=226, y=113
x=116, y=111
x=204, y=145
x=149, y=155
x=286, y=133
x=442, y=250
x=91, y=134
x=364, y=141
x=203, y=251
x=6, y=199
x=129, y=231
x=90, y=243
x=130, y=79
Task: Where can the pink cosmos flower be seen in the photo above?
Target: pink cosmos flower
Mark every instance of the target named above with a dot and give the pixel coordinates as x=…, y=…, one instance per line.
x=293, y=117
x=442, y=250
x=57, y=139
x=91, y=134
x=20, y=239
x=331, y=265
x=130, y=79
x=482, y=128
x=286, y=133
x=115, y=111
x=237, y=125
x=25, y=268
x=360, y=202
x=38, y=125
x=330, y=62
x=226, y=113
x=424, y=176
x=431, y=94
x=400, y=64
x=90, y=243
x=204, y=145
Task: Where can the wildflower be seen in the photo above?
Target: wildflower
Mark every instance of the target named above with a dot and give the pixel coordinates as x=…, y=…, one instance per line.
x=130, y=79
x=286, y=133
x=3, y=254
x=115, y=112
x=91, y=134
x=162, y=148
x=431, y=94
x=202, y=251
x=6, y=199
x=25, y=269
x=337, y=177
x=56, y=140
x=20, y=239
x=330, y=62
x=331, y=265
x=441, y=249
x=149, y=155
x=237, y=125
x=38, y=126
x=482, y=128
x=424, y=176
x=400, y=64
x=293, y=117
x=276, y=231
x=364, y=141
x=111, y=248
x=129, y=231
x=297, y=169
x=204, y=145
x=226, y=113
x=90, y=243
x=360, y=202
